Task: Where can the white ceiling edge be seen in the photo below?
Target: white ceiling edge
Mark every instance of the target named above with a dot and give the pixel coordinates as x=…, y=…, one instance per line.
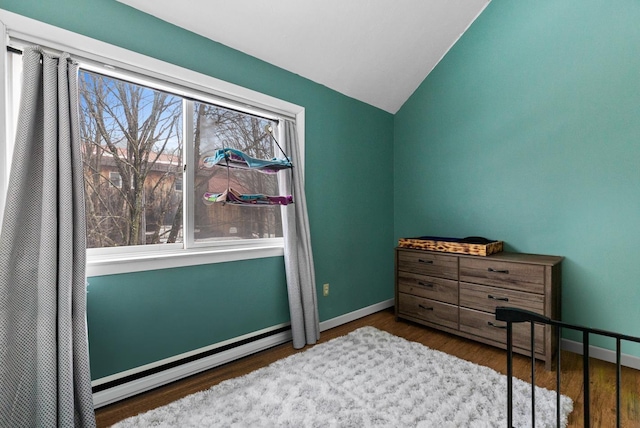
x=377, y=51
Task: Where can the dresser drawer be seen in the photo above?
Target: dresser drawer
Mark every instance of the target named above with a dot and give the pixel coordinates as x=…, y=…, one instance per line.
x=486, y=298
x=438, y=265
x=428, y=310
x=443, y=290
x=485, y=325
x=516, y=276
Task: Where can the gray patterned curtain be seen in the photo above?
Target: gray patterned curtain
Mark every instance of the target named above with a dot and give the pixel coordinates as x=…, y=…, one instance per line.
x=44, y=360
x=298, y=257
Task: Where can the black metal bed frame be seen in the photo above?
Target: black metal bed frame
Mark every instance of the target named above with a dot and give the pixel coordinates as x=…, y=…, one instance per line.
x=514, y=315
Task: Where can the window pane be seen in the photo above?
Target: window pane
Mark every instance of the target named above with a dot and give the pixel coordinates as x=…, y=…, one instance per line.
x=218, y=128
x=132, y=152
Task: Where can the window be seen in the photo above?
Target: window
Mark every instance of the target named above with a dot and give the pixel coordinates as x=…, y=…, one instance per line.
x=115, y=179
x=133, y=148
x=177, y=184
x=217, y=127
x=144, y=132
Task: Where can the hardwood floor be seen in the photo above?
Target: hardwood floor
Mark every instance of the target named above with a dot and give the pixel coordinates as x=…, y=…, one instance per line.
x=603, y=401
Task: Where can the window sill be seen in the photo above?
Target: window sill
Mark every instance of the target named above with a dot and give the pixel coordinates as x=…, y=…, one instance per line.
x=98, y=265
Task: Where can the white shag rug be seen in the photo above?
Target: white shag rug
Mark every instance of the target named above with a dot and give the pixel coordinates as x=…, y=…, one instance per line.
x=368, y=378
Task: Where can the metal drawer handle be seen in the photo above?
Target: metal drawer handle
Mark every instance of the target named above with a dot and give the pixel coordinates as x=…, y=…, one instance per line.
x=429, y=262
x=496, y=326
x=425, y=284
x=424, y=307
x=502, y=299
x=498, y=270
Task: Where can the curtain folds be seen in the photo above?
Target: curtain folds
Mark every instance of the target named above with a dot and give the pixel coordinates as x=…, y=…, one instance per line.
x=298, y=257
x=44, y=361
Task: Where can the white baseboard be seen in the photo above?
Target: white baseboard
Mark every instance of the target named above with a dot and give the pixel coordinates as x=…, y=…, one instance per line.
x=125, y=390
x=352, y=316
x=601, y=354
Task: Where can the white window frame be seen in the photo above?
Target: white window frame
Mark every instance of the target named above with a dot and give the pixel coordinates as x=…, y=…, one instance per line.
x=182, y=81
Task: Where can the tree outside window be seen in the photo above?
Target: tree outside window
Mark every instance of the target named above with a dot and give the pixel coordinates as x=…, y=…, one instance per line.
x=133, y=153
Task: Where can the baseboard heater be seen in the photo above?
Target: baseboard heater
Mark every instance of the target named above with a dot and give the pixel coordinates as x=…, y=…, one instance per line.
x=107, y=390
x=129, y=385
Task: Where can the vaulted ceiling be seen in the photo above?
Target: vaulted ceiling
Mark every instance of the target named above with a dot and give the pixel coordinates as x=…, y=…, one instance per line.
x=376, y=51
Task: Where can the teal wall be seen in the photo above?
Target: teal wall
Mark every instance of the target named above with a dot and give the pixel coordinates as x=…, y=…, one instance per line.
x=139, y=318
x=528, y=131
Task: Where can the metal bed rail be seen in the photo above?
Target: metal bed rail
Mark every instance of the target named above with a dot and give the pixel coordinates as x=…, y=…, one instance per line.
x=515, y=315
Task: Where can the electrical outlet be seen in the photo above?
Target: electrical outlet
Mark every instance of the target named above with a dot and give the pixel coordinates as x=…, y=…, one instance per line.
x=325, y=290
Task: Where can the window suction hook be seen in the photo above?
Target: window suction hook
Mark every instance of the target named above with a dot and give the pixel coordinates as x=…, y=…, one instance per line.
x=269, y=130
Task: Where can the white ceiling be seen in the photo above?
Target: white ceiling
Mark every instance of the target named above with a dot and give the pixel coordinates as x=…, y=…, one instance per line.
x=376, y=51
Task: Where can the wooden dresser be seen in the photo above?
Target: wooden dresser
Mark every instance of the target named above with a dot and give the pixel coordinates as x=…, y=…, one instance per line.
x=459, y=294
